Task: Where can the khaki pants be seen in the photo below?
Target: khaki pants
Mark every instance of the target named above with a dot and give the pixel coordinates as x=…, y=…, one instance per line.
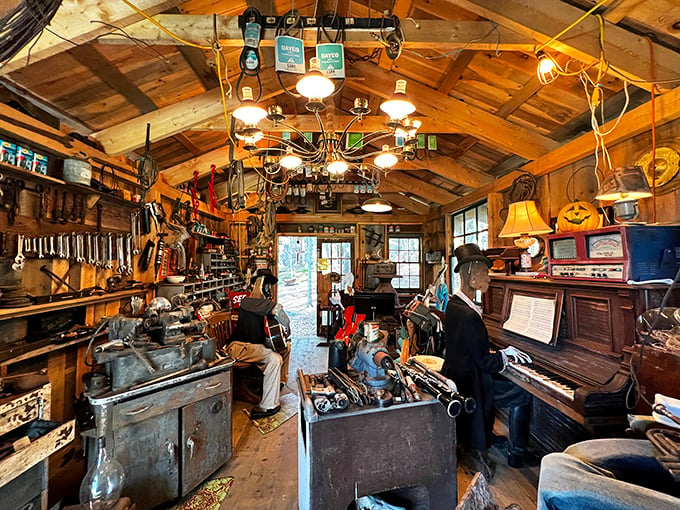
x=274, y=366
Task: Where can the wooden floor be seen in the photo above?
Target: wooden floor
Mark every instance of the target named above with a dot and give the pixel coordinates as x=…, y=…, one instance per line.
x=264, y=467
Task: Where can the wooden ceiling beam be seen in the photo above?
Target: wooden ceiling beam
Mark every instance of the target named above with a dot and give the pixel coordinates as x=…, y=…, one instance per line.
x=401, y=9
x=632, y=123
x=75, y=23
x=449, y=169
x=184, y=172
x=542, y=19
x=455, y=70
x=407, y=203
x=170, y=120
x=432, y=34
x=419, y=187
x=465, y=117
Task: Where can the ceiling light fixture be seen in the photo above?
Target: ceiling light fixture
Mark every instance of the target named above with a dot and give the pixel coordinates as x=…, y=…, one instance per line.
x=376, y=204
x=547, y=70
x=330, y=152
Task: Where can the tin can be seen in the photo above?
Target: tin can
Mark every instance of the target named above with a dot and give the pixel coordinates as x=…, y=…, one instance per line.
x=371, y=331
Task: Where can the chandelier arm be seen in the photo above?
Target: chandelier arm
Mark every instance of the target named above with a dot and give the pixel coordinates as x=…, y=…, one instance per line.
x=323, y=130
x=296, y=130
x=304, y=152
x=349, y=124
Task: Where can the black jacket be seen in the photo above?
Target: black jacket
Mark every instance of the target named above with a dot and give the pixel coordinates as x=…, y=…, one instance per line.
x=471, y=366
x=250, y=325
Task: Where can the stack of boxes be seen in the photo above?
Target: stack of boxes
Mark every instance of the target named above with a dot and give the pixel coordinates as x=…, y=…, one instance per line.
x=22, y=157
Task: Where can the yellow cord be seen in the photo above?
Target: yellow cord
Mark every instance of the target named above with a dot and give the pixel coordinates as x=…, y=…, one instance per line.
x=584, y=16
x=264, y=178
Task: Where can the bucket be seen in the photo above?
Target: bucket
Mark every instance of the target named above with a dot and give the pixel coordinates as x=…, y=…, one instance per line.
x=371, y=331
x=78, y=171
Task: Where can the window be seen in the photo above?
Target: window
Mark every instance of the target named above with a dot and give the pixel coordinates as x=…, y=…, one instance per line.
x=339, y=255
x=405, y=251
x=470, y=225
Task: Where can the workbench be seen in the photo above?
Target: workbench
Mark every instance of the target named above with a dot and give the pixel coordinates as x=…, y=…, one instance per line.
x=366, y=450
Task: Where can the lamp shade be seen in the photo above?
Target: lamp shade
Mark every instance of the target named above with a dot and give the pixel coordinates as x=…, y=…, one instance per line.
x=624, y=183
x=376, y=205
x=314, y=84
x=524, y=218
x=398, y=106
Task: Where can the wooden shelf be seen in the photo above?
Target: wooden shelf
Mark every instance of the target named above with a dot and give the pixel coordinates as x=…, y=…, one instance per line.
x=26, y=175
x=25, y=311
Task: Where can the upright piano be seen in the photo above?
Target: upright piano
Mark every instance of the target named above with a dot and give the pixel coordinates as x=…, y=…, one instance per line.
x=581, y=377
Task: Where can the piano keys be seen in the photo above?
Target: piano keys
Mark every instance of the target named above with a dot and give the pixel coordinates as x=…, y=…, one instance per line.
x=581, y=380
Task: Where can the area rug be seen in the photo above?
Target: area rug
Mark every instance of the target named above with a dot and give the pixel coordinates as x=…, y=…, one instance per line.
x=289, y=408
x=209, y=496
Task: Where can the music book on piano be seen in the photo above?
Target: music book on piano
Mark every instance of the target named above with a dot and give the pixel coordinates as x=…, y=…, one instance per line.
x=533, y=317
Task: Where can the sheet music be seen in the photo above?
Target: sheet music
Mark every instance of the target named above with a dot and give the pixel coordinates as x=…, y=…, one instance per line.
x=532, y=317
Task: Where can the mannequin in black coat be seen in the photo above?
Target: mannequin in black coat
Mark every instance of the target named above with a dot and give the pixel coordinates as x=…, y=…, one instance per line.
x=474, y=367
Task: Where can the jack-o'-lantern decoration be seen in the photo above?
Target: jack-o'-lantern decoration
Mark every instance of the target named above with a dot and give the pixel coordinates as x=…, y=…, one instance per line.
x=578, y=216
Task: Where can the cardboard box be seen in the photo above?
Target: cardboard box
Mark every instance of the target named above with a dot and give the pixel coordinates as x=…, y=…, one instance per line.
x=39, y=164
x=24, y=158
x=8, y=153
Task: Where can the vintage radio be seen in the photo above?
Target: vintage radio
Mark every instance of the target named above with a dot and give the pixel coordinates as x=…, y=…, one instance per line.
x=619, y=253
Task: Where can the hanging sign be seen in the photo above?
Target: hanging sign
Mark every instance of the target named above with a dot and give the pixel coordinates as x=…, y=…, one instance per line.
x=290, y=55
x=331, y=59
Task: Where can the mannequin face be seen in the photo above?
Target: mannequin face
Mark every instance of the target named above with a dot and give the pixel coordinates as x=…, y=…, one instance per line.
x=479, y=277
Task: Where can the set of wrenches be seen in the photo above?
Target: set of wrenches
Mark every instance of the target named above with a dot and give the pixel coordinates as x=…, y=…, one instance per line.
x=101, y=250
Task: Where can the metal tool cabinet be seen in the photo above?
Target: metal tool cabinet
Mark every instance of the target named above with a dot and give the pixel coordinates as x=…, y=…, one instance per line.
x=172, y=436
x=370, y=450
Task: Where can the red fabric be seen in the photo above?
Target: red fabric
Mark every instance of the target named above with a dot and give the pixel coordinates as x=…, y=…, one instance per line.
x=211, y=189
x=194, y=196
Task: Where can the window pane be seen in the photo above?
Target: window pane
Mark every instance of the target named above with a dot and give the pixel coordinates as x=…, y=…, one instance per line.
x=470, y=221
x=325, y=251
x=482, y=217
x=458, y=241
x=458, y=225
x=393, y=244
x=483, y=240
x=346, y=250
x=413, y=256
x=472, y=238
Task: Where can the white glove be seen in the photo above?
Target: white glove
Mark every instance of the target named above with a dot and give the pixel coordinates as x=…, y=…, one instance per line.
x=516, y=355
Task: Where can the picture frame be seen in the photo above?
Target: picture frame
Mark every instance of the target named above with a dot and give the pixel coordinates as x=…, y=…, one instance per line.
x=332, y=204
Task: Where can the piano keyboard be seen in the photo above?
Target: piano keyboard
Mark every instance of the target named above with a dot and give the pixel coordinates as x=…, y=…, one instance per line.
x=542, y=377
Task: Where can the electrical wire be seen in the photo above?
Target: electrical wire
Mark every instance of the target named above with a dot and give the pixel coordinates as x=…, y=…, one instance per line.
x=24, y=23
x=579, y=20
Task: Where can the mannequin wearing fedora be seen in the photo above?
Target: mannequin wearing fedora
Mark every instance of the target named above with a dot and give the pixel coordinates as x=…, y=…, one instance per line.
x=247, y=342
x=474, y=367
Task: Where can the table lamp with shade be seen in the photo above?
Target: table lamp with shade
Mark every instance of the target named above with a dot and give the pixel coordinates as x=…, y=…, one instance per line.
x=524, y=221
x=624, y=185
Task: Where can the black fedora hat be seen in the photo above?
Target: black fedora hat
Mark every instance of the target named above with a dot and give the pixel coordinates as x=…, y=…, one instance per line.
x=267, y=274
x=469, y=253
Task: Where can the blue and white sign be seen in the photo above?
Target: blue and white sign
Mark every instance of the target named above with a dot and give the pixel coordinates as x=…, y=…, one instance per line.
x=290, y=54
x=331, y=59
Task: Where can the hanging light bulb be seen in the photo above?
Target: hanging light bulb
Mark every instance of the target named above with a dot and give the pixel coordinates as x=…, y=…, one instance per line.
x=398, y=107
x=315, y=86
x=547, y=70
x=249, y=112
x=336, y=166
x=408, y=129
x=290, y=161
x=376, y=204
x=385, y=159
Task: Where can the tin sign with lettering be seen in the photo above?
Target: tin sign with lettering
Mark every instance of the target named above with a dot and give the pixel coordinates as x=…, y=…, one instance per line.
x=331, y=59
x=290, y=54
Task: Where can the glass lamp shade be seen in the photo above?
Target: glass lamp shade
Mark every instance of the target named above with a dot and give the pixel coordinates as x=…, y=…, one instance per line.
x=386, y=159
x=337, y=167
x=624, y=183
x=398, y=106
x=376, y=205
x=290, y=160
x=524, y=220
x=249, y=113
x=314, y=85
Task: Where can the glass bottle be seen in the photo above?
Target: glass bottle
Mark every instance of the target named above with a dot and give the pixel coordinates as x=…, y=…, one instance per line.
x=103, y=482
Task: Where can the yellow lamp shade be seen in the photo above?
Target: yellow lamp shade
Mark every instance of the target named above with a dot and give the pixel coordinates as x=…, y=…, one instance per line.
x=524, y=218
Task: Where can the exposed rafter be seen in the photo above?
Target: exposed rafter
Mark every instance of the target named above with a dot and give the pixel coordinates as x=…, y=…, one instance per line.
x=542, y=19
x=465, y=117
x=75, y=23
x=419, y=187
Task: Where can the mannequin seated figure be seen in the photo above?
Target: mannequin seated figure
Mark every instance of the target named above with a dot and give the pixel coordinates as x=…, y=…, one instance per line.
x=247, y=343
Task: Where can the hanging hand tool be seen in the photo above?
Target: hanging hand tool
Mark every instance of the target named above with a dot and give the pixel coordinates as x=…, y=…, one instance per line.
x=159, y=251
x=145, y=257
x=19, y=259
x=57, y=279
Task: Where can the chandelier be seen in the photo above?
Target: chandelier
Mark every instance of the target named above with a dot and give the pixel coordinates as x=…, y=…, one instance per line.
x=333, y=153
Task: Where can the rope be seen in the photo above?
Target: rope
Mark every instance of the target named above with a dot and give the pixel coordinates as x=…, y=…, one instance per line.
x=211, y=189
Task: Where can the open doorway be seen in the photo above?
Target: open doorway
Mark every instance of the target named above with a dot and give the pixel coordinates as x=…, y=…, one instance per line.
x=296, y=291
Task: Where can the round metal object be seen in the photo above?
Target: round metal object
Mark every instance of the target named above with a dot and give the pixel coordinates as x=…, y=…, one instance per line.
x=667, y=163
x=383, y=398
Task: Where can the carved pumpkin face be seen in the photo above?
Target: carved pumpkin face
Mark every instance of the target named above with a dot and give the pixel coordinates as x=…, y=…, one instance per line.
x=578, y=216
